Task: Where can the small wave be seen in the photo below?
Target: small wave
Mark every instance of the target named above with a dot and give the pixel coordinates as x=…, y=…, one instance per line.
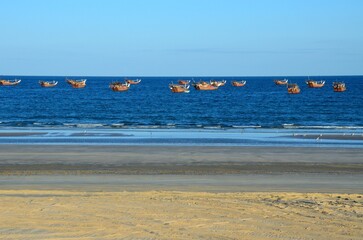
x=320, y=127
x=237, y=126
x=212, y=127
x=89, y=125
x=117, y=125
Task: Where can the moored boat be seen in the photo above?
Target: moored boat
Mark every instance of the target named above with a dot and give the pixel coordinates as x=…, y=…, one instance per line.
x=4, y=82
x=293, y=88
x=133, y=82
x=184, y=82
x=315, y=84
x=48, y=83
x=179, y=88
x=238, y=83
x=217, y=83
x=119, y=86
x=77, y=83
x=339, y=87
x=281, y=81
x=204, y=86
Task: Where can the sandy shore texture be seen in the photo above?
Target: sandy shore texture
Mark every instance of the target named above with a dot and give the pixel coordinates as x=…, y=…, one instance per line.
x=160, y=192
x=26, y=214
x=81, y=159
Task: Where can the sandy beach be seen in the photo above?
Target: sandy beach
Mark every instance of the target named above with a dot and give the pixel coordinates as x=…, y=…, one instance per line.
x=27, y=214
x=162, y=192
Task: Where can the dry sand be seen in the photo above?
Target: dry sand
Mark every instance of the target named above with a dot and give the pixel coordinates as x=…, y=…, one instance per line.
x=28, y=214
x=125, y=192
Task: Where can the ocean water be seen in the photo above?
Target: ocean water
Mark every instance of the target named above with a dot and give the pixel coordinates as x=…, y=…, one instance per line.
x=260, y=113
x=152, y=105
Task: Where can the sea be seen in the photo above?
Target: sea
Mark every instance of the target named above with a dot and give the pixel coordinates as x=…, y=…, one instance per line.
x=260, y=113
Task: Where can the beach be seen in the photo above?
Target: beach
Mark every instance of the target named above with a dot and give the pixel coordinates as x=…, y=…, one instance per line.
x=27, y=214
x=180, y=192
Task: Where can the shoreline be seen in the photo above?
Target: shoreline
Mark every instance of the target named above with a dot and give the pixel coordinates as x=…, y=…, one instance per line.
x=175, y=168
x=279, y=138
x=163, y=192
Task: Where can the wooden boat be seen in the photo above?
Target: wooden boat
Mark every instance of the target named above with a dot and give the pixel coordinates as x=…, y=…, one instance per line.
x=339, y=87
x=281, y=81
x=48, y=83
x=184, y=82
x=77, y=83
x=179, y=88
x=133, y=82
x=204, y=86
x=238, y=83
x=119, y=86
x=293, y=88
x=4, y=82
x=315, y=84
x=218, y=83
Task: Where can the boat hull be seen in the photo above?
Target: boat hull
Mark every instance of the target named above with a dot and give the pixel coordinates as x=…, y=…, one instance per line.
x=339, y=87
x=281, y=82
x=204, y=86
x=238, y=84
x=9, y=83
x=315, y=84
x=179, y=89
x=48, y=84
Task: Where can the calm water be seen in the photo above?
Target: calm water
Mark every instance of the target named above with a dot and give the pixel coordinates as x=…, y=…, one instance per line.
x=151, y=104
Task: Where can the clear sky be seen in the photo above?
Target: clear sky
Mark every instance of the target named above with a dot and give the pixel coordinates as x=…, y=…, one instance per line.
x=181, y=37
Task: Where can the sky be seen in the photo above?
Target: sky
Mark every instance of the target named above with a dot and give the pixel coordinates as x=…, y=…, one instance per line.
x=181, y=37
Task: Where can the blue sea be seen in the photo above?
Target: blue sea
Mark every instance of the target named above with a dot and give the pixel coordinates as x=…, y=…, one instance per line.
x=260, y=106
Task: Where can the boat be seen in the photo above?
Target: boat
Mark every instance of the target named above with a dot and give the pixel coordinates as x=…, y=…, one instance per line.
x=293, y=88
x=281, y=81
x=315, y=84
x=339, y=87
x=4, y=82
x=218, y=83
x=48, y=83
x=77, y=83
x=183, y=82
x=238, y=83
x=133, y=82
x=119, y=86
x=179, y=88
x=204, y=86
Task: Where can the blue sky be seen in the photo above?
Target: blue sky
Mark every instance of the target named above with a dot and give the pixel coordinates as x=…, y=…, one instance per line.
x=181, y=37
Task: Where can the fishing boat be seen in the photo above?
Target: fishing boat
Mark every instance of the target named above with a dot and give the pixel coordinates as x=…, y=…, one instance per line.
x=48, y=83
x=315, y=84
x=4, y=82
x=238, y=83
x=217, y=83
x=184, y=82
x=179, y=88
x=293, y=88
x=281, y=81
x=133, y=82
x=77, y=83
x=119, y=86
x=204, y=86
x=339, y=87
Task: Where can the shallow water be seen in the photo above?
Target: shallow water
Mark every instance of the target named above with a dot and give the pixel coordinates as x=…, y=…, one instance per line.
x=343, y=138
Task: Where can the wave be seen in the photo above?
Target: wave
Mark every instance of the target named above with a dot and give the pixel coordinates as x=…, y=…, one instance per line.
x=292, y=126
x=84, y=125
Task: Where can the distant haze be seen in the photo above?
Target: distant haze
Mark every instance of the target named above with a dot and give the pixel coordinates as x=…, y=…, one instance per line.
x=181, y=38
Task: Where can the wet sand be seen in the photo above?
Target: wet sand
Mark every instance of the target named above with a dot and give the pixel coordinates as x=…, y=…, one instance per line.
x=32, y=159
x=160, y=192
x=358, y=137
